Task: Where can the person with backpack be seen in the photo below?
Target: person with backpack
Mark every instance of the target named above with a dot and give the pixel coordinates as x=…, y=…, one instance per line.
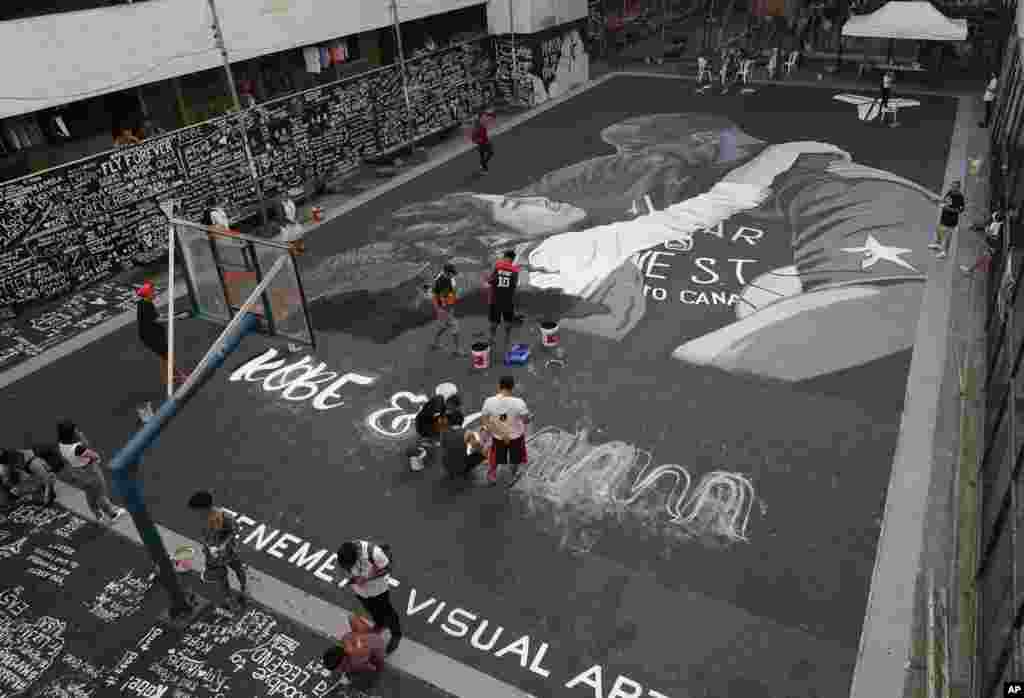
x=444, y=295
x=361, y=650
x=83, y=470
x=368, y=567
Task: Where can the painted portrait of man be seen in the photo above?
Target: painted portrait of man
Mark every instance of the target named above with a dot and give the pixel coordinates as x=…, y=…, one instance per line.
x=694, y=240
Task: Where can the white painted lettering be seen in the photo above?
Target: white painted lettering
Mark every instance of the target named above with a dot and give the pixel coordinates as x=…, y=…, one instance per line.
x=321, y=401
x=591, y=677
x=436, y=613
x=384, y=422
x=655, y=292
x=718, y=231
x=535, y=666
x=260, y=535
x=655, y=694
x=263, y=362
x=520, y=647
x=460, y=629
x=475, y=640
x=626, y=688
x=739, y=268
x=750, y=235
x=702, y=264
x=327, y=565
x=302, y=558
x=244, y=520
x=277, y=549
x=412, y=608
x=733, y=299
x=652, y=261
x=719, y=298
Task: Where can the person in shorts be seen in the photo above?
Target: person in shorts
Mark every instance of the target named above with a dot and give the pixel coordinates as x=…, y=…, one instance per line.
x=953, y=205
x=153, y=335
x=368, y=569
x=505, y=417
x=82, y=468
x=502, y=286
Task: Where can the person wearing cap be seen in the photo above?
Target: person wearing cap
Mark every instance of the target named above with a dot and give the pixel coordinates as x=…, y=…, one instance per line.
x=444, y=294
x=153, y=335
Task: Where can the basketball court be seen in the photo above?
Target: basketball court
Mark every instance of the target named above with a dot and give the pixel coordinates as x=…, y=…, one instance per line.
x=712, y=439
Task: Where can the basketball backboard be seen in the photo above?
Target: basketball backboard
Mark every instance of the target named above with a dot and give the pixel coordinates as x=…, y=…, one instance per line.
x=223, y=268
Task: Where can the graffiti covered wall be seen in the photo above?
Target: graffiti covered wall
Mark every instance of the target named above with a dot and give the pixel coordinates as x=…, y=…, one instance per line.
x=534, y=68
x=74, y=225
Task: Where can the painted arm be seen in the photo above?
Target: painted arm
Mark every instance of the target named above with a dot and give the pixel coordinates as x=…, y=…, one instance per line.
x=576, y=262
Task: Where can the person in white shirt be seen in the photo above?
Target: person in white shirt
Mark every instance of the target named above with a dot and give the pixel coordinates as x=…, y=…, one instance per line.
x=369, y=572
x=990, y=98
x=505, y=417
x=83, y=469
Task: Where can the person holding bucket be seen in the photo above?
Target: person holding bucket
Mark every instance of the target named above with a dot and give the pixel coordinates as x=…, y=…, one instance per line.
x=502, y=286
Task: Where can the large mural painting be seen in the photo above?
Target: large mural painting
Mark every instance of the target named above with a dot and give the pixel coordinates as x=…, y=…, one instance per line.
x=533, y=69
x=694, y=240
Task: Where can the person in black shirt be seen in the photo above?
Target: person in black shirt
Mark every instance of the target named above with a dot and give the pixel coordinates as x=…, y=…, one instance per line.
x=461, y=449
x=220, y=546
x=445, y=293
x=503, y=282
x=953, y=205
x=153, y=335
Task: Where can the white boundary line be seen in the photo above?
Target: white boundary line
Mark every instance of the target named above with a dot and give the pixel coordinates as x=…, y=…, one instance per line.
x=312, y=612
x=886, y=640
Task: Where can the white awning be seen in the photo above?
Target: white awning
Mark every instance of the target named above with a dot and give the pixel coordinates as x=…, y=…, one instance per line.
x=907, y=19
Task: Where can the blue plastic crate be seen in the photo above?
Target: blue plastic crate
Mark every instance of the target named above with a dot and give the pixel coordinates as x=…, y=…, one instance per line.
x=518, y=355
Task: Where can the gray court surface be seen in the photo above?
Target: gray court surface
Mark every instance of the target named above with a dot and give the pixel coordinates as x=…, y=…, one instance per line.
x=705, y=484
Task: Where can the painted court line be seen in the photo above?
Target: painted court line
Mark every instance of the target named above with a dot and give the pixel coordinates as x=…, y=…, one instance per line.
x=77, y=342
x=411, y=658
x=886, y=635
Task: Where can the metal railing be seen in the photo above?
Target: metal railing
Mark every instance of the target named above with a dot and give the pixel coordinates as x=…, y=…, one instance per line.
x=15, y=11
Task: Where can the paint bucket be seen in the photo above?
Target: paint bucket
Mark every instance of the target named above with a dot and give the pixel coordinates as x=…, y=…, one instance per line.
x=318, y=214
x=481, y=355
x=184, y=558
x=549, y=334
x=416, y=456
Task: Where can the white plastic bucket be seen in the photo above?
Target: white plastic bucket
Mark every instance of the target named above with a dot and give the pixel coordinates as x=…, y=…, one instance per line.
x=481, y=355
x=549, y=334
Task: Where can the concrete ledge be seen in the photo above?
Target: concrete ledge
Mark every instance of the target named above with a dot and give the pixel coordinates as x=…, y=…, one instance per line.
x=886, y=641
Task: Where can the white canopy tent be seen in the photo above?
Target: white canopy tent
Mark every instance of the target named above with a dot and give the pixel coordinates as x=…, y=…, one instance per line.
x=907, y=19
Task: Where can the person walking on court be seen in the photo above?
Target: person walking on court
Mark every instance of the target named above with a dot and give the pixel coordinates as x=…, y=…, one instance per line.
x=482, y=139
x=502, y=291
x=153, y=335
x=953, y=205
x=82, y=465
x=990, y=98
x=220, y=546
x=505, y=417
x=368, y=567
x=444, y=294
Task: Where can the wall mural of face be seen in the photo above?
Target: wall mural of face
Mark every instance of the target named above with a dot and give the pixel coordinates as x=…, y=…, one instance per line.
x=771, y=224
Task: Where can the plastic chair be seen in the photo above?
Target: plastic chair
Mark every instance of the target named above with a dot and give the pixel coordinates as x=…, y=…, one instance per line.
x=794, y=57
x=745, y=69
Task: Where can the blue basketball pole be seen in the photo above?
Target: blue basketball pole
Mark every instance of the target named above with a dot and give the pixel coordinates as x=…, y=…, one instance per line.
x=125, y=465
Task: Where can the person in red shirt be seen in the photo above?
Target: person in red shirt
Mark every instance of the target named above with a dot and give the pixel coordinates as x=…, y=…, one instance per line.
x=361, y=650
x=483, y=142
x=502, y=286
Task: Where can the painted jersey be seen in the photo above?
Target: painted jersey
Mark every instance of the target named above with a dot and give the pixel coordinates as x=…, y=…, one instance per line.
x=503, y=282
x=798, y=219
x=509, y=414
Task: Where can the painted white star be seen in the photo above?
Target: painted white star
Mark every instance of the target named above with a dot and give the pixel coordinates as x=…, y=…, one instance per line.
x=873, y=251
